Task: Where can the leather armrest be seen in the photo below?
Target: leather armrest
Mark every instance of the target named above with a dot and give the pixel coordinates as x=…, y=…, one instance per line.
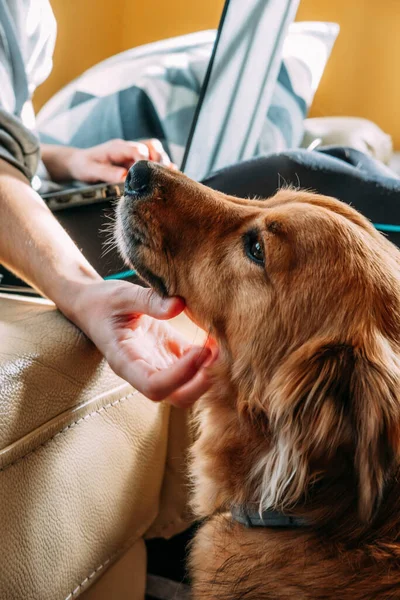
x=87, y=464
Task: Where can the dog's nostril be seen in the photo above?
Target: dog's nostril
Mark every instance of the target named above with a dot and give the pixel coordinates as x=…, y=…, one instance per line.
x=138, y=179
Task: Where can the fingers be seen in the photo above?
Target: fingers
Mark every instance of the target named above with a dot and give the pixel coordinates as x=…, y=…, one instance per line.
x=150, y=303
x=139, y=151
x=157, y=152
x=108, y=173
x=158, y=385
x=137, y=359
x=131, y=298
x=110, y=161
x=188, y=394
x=162, y=384
x=125, y=153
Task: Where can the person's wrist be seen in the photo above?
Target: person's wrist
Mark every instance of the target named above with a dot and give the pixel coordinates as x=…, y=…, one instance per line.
x=72, y=296
x=73, y=161
x=59, y=161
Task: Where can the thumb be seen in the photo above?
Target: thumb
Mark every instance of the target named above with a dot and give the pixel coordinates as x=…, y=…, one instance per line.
x=105, y=172
x=160, y=308
x=136, y=299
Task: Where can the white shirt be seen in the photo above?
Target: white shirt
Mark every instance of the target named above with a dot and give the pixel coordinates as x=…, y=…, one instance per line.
x=27, y=37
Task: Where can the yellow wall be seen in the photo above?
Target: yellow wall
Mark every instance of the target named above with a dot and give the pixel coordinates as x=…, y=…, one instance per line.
x=362, y=74
x=91, y=30
x=361, y=77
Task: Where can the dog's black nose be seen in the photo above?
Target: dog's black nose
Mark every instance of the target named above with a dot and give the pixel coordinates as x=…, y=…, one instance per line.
x=138, y=180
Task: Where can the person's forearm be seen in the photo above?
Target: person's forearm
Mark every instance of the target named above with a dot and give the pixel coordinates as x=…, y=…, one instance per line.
x=35, y=246
x=155, y=360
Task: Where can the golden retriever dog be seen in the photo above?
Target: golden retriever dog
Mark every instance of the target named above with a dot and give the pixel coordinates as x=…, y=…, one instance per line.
x=302, y=424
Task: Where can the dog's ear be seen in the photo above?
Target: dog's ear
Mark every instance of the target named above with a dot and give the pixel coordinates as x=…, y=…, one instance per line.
x=327, y=396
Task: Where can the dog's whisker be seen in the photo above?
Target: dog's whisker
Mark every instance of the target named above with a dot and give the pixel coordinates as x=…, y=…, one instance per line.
x=280, y=179
x=109, y=245
x=107, y=228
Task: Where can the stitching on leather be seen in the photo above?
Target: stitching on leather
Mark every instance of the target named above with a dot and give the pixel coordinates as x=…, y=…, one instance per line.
x=126, y=546
x=68, y=428
x=79, y=587
x=89, y=577
x=134, y=538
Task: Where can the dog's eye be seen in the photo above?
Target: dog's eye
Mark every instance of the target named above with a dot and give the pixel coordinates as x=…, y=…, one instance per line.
x=256, y=252
x=253, y=247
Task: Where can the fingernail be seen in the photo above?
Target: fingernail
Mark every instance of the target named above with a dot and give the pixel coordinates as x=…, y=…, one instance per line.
x=166, y=303
x=174, y=302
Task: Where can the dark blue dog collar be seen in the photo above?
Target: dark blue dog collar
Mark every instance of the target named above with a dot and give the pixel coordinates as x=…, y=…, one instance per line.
x=267, y=518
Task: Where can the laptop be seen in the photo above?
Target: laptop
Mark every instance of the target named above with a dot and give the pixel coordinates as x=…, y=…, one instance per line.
x=226, y=127
x=234, y=98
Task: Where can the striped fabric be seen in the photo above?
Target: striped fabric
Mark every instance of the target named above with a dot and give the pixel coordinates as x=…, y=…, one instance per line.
x=152, y=92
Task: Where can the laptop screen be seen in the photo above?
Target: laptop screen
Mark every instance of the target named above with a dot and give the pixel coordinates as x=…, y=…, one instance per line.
x=238, y=86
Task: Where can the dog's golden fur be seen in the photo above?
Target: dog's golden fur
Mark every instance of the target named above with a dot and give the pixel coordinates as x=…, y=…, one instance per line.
x=304, y=413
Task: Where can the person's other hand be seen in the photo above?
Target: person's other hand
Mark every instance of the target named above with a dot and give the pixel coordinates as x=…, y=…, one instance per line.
x=111, y=161
x=127, y=324
x=108, y=162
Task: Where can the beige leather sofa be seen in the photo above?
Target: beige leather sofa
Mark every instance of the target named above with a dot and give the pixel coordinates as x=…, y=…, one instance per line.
x=88, y=466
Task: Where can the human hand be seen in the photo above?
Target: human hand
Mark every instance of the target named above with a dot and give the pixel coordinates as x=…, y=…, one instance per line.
x=108, y=162
x=124, y=321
